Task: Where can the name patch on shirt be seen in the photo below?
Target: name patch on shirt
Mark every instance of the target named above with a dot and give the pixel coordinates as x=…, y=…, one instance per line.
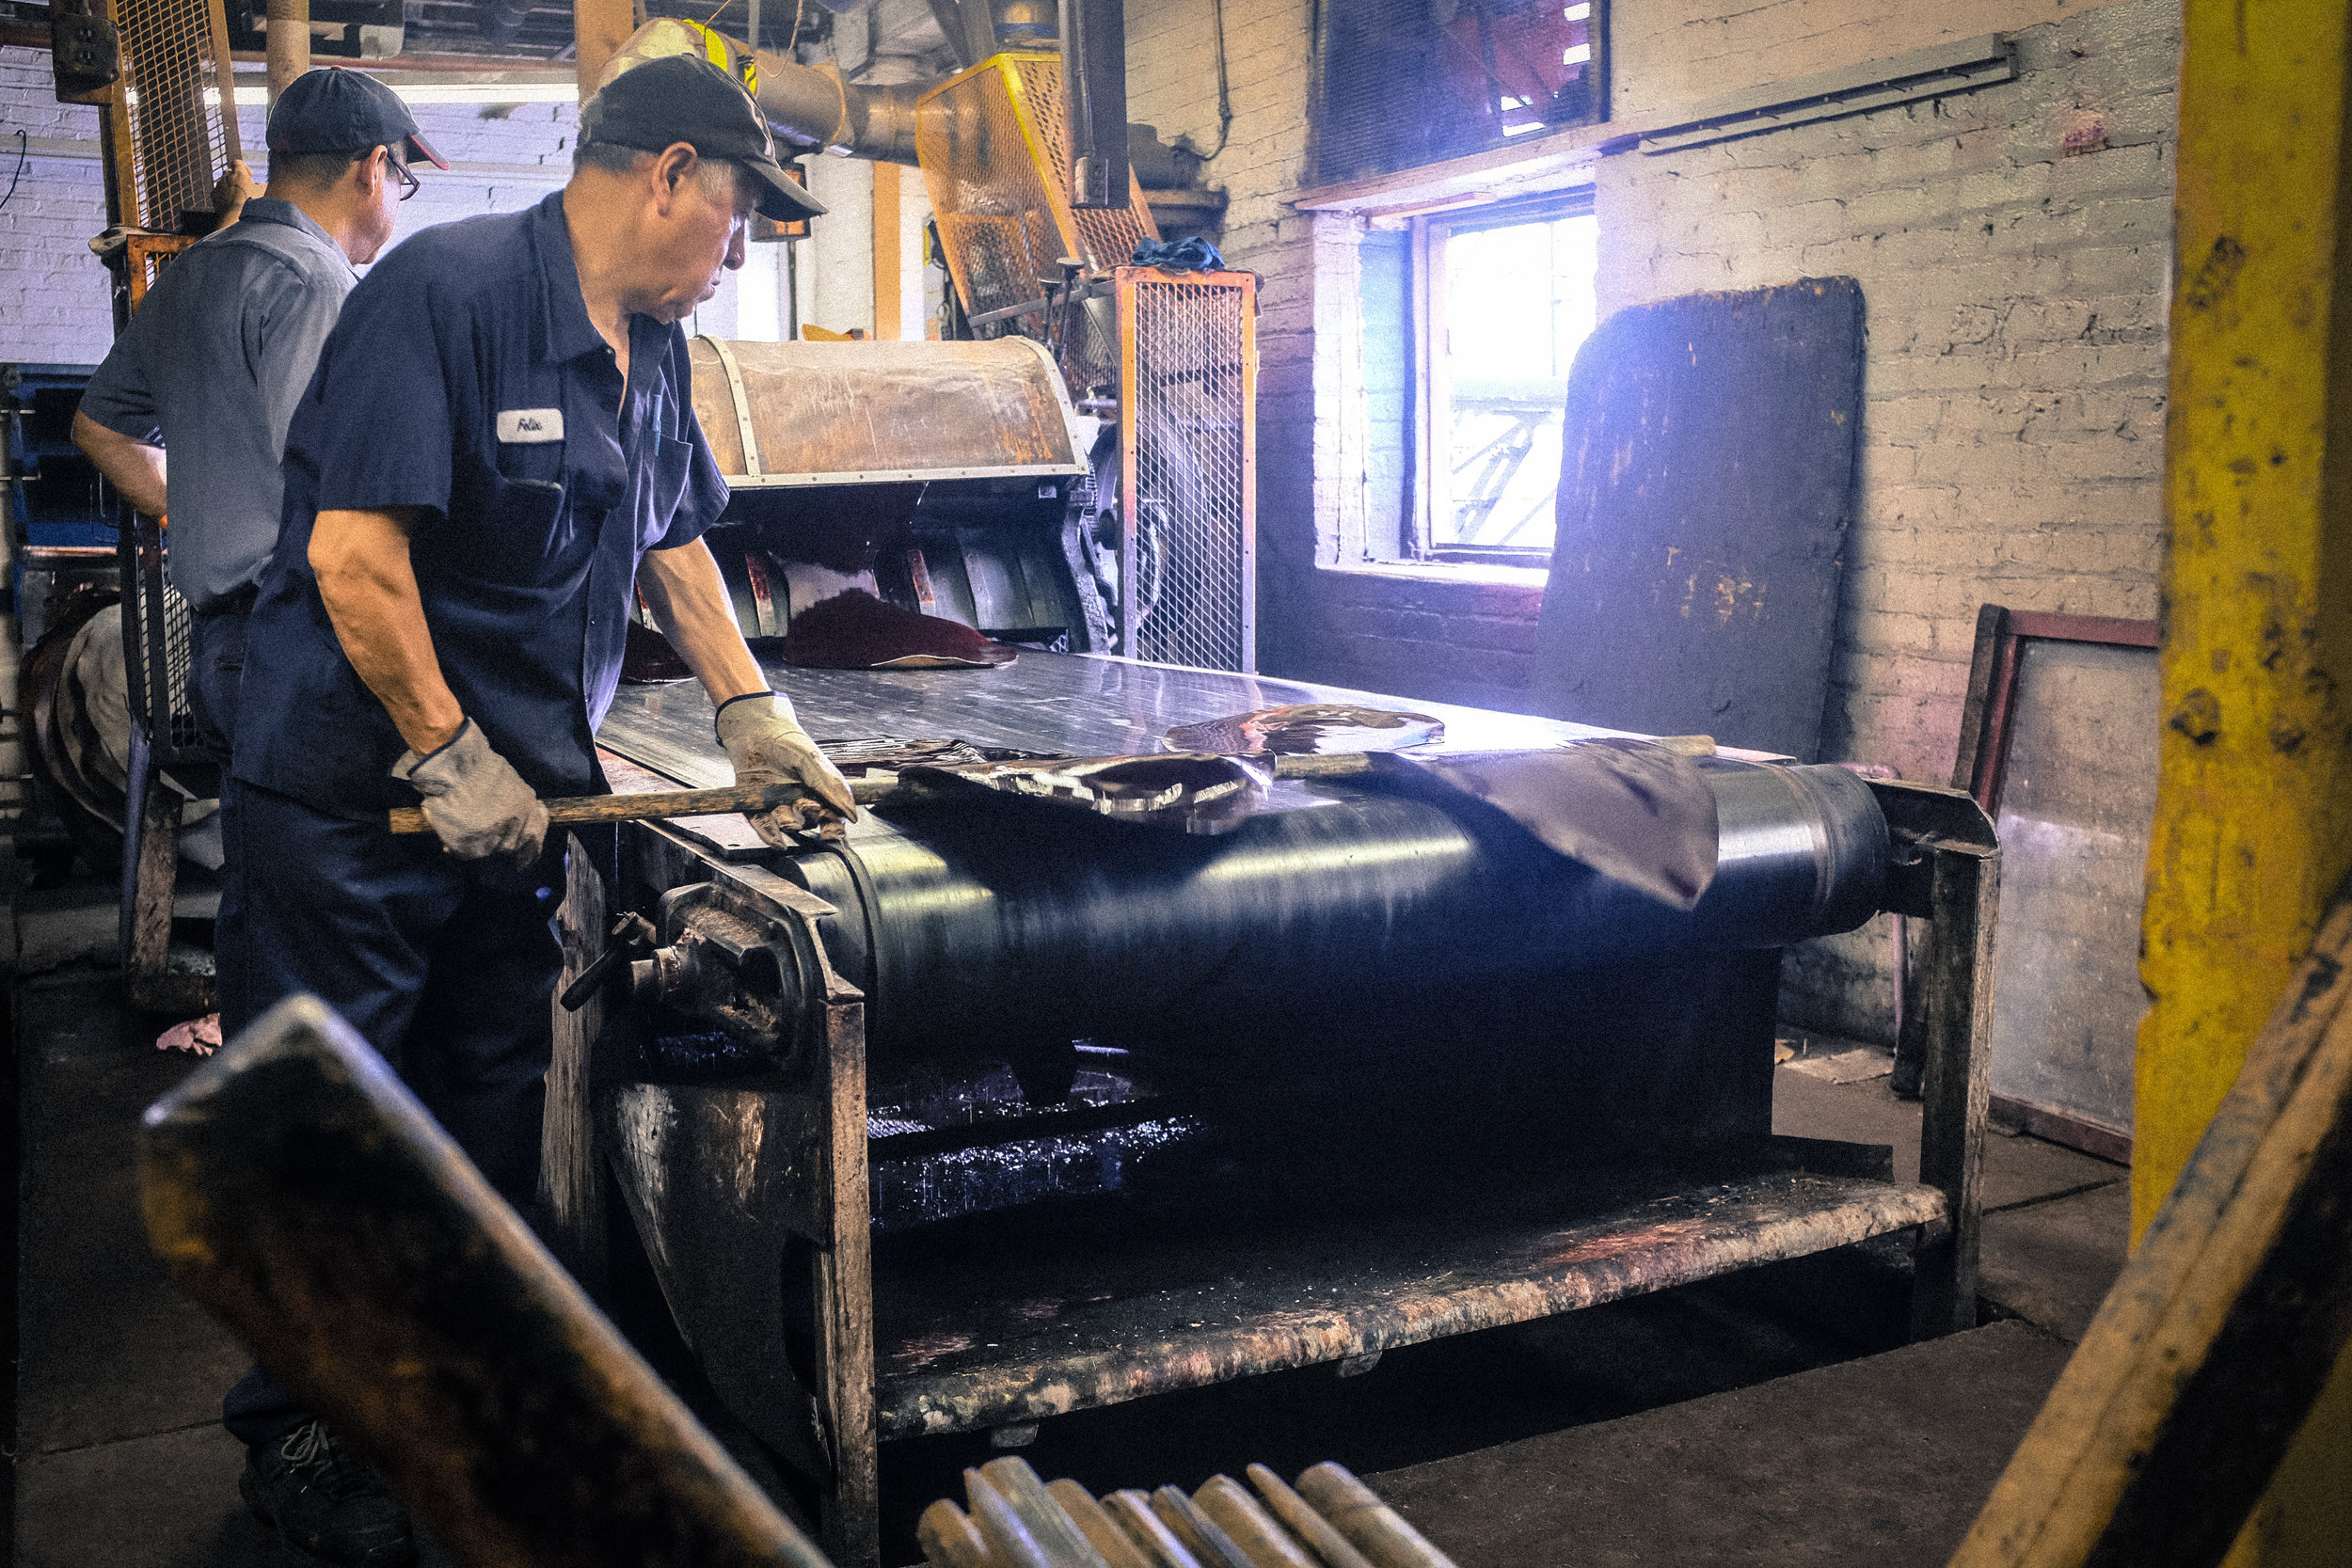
x=524, y=425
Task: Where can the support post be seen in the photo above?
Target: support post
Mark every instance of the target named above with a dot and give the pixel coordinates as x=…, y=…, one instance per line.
x=2253, y=824
x=599, y=27
x=1948, y=871
x=288, y=43
x=1964, y=894
x=850, y=1528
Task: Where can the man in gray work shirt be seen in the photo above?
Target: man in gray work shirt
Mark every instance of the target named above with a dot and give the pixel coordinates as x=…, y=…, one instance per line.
x=212, y=366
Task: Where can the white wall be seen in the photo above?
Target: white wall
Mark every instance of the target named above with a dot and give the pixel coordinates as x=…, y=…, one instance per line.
x=835, y=266
x=53, y=291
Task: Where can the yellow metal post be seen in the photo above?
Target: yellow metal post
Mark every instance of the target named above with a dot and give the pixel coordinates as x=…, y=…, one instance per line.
x=2254, y=814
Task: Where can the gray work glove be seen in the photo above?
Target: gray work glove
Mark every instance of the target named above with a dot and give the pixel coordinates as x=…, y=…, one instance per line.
x=478, y=804
x=767, y=748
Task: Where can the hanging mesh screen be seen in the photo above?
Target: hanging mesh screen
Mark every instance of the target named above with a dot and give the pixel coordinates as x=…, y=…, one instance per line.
x=996, y=162
x=1413, y=82
x=179, y=112
x=1188, y=479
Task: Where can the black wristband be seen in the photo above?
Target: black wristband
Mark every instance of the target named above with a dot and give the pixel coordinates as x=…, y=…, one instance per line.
x=745, y=697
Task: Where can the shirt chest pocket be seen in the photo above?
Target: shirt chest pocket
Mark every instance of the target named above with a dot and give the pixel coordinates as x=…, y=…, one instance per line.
x=512, y=532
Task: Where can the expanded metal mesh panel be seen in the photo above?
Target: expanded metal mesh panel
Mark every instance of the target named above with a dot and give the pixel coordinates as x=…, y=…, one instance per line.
x=1187, y=480
x=997, y=220
x=1108, y=236
x=157, y=646
x=175, y=110
x=995, y=153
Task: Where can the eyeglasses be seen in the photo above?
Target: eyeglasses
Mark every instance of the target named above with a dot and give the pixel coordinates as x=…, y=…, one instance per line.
x=409, y=184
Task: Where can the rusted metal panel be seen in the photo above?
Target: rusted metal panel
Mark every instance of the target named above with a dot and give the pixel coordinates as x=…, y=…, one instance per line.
x=873, y=413
x=1042, y=1315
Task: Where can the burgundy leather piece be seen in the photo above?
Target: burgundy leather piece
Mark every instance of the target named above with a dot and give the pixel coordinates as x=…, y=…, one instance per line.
x=857, y=631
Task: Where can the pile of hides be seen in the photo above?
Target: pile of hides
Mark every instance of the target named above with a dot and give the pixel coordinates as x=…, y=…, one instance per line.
x=857, y=631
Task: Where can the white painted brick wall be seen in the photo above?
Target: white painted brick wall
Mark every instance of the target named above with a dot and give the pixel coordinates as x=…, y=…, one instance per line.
x=53, y=291
x=2015, y=378
x=2015, y=382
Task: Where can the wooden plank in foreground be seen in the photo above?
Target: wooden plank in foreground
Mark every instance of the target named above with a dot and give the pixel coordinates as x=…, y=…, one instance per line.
x=297, y=1188
x=2216, y=1341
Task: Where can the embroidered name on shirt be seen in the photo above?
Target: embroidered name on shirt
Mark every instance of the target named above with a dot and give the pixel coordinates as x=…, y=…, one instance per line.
x=524, y=425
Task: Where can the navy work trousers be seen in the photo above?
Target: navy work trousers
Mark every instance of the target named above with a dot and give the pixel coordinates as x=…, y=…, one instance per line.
x=446, y=967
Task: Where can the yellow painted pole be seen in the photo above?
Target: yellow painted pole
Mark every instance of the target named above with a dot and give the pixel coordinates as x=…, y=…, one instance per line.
x=2254, y=811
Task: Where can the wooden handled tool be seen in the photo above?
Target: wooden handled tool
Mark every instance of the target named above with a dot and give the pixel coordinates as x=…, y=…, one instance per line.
x=675, y=802
x=575, y=810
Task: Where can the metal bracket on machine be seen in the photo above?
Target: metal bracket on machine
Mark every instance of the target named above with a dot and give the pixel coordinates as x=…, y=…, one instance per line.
x=779, y=1166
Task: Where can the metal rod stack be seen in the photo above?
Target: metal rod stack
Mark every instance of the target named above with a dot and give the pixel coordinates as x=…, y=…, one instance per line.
x=1331, y=1520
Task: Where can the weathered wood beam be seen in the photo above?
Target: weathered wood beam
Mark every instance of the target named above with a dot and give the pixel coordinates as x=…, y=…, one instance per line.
x=296, y=1187
x=2211, y=1349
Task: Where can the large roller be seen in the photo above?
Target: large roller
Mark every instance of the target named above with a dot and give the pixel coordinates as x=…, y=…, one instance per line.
x=980, y=927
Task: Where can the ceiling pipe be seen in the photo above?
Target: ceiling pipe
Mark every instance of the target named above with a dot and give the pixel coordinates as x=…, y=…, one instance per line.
x=815, y=106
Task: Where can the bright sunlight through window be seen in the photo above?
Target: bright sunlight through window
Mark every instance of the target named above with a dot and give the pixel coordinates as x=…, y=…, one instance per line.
x=1517, y=304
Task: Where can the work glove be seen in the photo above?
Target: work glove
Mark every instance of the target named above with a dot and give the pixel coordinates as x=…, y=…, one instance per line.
x=478, y=804
x=767, y=748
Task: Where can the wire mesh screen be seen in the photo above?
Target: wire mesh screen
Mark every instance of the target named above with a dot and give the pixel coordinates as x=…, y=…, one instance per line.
x=1108, y=236
x=1412, y=82
x=179, y=112
x=157, y=646
x=995, y=156
x=1188, y=479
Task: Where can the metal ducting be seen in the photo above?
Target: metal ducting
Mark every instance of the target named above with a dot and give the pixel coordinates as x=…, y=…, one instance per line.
x=814, y=105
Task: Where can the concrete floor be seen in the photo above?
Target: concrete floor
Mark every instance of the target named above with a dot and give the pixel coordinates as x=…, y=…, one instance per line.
x=1763, y=1419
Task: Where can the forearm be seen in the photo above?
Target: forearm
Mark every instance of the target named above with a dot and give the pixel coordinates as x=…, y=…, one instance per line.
x=690, y=604
x=131, y=467
x=368, y=587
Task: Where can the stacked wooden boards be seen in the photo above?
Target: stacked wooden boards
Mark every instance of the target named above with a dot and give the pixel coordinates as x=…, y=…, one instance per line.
x=1331, y=1520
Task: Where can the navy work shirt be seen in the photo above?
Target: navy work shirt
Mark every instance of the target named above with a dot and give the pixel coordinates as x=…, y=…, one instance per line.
x=465, y=378
x=214, y=361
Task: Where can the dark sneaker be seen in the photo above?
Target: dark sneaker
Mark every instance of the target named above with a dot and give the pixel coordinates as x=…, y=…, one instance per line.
x=328, y=1506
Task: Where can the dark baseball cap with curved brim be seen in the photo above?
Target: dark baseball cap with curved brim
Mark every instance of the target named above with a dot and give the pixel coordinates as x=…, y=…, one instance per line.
x=678, y=98
x=334, y=110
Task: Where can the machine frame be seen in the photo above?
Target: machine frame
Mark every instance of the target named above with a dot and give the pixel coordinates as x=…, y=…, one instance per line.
x=820, y=1355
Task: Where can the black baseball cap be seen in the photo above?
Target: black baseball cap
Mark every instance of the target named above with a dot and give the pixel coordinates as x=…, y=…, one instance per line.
x=334, y=110
x=678, y=98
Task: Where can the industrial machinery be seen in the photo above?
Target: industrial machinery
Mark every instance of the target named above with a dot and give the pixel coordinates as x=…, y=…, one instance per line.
x=989, y=1112
x=1164, y=363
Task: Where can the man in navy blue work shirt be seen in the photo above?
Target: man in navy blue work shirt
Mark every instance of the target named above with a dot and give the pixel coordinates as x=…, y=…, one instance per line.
x=224, y=344
x=498, y=452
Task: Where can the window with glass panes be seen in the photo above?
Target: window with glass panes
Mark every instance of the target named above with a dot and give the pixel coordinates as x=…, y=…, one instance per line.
x=1507, y=299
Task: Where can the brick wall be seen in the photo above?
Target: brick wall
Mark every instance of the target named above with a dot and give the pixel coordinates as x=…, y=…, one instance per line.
x=53, y=291
x=2013, y=423
x=1671, y=53
x=2015, y=373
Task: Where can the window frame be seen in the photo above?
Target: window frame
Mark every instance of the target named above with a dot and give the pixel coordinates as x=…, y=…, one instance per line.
x=1431, y=395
